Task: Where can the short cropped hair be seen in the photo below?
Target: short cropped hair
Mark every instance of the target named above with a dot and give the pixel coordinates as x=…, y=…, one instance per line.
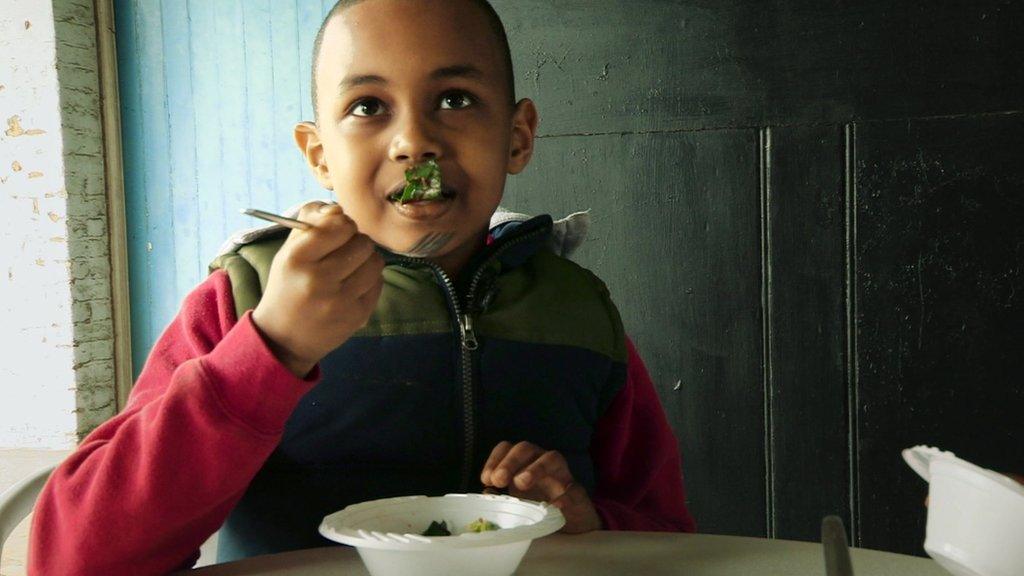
x=492, y=18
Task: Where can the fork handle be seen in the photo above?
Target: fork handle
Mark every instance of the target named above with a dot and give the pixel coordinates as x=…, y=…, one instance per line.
x=276, y=219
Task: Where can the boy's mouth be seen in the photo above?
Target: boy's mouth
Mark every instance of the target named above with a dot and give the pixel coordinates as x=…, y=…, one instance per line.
x=395, y=196
x=424, y=210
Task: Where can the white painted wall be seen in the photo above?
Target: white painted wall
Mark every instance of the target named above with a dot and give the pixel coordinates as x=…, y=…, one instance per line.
x=37, y=378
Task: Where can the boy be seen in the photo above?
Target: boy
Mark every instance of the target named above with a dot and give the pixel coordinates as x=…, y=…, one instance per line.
x=493, y=362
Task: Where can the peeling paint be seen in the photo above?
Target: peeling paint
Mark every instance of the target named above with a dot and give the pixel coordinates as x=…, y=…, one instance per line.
x=58, y=239
x=30, y=131
x=15, y=130
x=54, y=216
x=149, y=246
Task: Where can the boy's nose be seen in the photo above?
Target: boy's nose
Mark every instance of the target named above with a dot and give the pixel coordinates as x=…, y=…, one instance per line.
x=414, y=143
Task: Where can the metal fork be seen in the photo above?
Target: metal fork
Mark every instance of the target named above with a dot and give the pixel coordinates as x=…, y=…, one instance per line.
x=833, y=540
x=426, y=246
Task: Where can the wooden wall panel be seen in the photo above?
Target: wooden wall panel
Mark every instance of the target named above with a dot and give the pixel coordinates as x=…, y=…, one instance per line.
x=210, y=93
x=806, y=296
x=129, y=72
x=681, y=254
x=611, y=66
x=207, y=99
x=940, y=318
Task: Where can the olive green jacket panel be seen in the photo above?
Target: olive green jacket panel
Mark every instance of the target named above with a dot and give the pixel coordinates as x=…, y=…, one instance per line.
x=547, y=300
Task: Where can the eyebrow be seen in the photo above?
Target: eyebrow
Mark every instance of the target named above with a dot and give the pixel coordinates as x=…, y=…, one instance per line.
x=456, y=71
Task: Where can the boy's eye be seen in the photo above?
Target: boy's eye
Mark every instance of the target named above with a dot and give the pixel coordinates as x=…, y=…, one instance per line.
x=456, y=101
x=367, y=107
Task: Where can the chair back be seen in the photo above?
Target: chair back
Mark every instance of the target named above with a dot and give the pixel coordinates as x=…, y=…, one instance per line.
x=17, y=501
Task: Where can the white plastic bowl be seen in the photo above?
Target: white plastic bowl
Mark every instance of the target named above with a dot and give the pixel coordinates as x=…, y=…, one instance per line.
x=387, y=533
x=975, y=516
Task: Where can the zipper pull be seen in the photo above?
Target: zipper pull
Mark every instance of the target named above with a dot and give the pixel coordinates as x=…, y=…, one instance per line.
x=469, y=341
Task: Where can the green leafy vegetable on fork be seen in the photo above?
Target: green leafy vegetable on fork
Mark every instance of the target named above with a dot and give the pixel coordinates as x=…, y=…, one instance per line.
x=423, y=182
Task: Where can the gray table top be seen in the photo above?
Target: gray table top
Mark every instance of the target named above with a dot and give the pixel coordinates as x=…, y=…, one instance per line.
x=614, y=553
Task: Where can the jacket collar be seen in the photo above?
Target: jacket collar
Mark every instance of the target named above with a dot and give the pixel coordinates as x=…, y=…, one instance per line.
x=513, y=243
x=516, y=241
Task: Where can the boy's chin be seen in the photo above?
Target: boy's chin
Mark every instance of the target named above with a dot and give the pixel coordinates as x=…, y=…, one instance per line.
x=461, y=243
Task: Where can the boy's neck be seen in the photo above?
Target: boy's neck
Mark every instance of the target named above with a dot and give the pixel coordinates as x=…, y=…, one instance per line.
x=454, y=262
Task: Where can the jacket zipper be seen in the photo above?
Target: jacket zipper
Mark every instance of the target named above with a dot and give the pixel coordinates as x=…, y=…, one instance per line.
x=467, y=343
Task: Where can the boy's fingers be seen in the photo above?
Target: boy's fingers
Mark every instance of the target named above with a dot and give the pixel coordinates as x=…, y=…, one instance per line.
x=313, y=212
x=578, y=509
x=369, y=299
x=311, y=207
x=329, y=229
x=346, y=259
x=572, y=495
x=497, y=455
x=364, y=278
x=517, y=458
x=550, y=472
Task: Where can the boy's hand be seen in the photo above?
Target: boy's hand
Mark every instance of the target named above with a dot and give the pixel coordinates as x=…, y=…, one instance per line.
x=323, y=285
x=543, y=475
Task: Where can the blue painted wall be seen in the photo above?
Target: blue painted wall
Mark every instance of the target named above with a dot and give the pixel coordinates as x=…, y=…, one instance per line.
x=210, y=91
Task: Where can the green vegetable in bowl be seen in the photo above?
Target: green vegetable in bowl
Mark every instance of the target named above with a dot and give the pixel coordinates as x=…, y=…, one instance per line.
x=423, y=182
x=437, y=529
x=481, y=525
x=441, y=528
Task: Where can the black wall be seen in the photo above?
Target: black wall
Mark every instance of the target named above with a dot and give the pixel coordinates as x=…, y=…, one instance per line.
x=810, y=214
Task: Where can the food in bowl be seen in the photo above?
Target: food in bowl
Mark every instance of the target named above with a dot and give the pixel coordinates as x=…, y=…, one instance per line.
x=440, y=528
x=481, y=525
x=386, y=533
x=437, y=529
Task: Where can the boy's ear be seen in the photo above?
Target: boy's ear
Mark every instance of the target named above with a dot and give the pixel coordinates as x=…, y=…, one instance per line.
x=524, y=129
x=307, y=138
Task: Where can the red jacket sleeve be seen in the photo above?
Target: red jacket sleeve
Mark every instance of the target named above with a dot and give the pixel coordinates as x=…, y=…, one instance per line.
x=640, y=479
x=148, y=487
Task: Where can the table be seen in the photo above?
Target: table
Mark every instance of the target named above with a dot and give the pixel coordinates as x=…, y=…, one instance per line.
x=617, y=553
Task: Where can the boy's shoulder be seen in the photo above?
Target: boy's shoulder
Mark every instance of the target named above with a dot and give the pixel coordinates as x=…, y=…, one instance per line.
x=566, y=273
x=248, y=266
x=551, y=299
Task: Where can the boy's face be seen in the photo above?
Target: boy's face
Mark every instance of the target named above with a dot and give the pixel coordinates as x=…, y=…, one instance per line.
x=404, y=81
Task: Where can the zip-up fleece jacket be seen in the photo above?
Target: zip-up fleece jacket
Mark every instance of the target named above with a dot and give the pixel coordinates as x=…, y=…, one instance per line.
x=217, y=434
